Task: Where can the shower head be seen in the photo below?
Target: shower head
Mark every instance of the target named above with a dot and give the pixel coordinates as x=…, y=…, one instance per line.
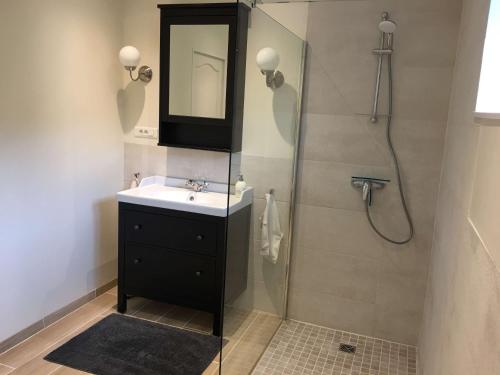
x=387, y=26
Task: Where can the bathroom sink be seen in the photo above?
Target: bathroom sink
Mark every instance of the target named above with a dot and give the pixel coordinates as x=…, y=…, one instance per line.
x=170, y=193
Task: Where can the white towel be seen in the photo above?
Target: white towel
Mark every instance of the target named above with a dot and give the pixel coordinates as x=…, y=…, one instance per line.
x=271, y=230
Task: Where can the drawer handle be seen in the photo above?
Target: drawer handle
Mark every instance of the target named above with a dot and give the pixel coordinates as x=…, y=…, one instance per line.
x=137, y=260
x=137, y=227
x=198, y=273
x=199, y=237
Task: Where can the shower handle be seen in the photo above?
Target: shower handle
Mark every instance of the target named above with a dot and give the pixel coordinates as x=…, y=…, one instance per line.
x=367, y=185
x=367, y=188
x=367, y=192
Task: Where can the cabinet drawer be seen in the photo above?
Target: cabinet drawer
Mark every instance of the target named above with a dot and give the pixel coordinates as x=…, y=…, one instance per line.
x=177, y=277
x=171, y=232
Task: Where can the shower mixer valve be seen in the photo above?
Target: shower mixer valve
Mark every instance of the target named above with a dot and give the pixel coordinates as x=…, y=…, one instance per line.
x=367, y=185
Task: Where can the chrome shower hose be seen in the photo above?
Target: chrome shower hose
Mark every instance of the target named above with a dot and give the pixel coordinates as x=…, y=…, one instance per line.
x=394, y=157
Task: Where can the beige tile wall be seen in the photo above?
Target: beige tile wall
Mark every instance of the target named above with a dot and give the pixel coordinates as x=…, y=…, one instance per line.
x=343, y=276
x=266, y=282
x=461, y=329
x=151, y=160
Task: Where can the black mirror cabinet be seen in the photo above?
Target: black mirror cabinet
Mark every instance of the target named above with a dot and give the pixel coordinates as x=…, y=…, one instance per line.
x=202, y=75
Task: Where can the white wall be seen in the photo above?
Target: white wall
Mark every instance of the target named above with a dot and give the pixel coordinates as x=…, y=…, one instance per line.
x=61, y=153
x=461, y=326
x=293, y=16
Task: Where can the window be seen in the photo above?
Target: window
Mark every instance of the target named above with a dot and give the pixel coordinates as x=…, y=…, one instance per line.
x=488, y=98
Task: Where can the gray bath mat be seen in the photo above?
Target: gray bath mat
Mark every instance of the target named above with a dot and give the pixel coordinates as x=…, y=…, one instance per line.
x=121, y=345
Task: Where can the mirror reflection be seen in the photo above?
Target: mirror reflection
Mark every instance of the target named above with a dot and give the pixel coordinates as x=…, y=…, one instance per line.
x=198, y=70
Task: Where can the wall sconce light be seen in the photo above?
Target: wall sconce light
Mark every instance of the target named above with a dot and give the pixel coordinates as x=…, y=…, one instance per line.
x=130, y=57
x=267, y=61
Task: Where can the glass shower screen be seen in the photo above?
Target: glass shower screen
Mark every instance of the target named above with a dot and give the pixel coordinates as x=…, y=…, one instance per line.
x=256, y=269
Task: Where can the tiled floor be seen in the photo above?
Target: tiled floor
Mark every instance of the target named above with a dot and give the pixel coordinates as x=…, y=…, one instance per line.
x=247, y=335
x=299, y=348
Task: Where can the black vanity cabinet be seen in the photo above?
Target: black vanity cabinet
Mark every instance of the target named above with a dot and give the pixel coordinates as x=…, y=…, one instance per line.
x=202, y=75
x=180, y=257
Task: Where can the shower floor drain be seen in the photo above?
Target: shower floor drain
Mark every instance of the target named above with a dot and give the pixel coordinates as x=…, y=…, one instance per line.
x=346, y=348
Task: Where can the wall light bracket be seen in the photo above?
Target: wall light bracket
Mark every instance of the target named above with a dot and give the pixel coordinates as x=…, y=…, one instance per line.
x=145, y=73
x=274, y=78
x=130, y=58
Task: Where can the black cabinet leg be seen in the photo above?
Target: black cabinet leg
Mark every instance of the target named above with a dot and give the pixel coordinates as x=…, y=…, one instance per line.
x=122, y=303
x=217, y=329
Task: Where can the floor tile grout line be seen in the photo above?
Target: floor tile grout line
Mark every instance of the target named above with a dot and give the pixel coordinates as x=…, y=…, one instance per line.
x=305, y=361
x=61, y=339
x=54, y=322
x=288, y=360
x=347, y=371
x=56, y=369
x=347, y=358
x=42, y=330
x=238, y=340
x=363, y=355
x=296, y=342
x=336, y=354
x=324, y=348
x=5, y=365
x=139, y=308
x=190, y=319
x=279, y=345
x=373, y=358
x=399, y=361
x=316, y=362
x=274, y=334
x=165, y=324
x=355, y=343
x=165, y=313
x=350, y=333
x=47, y=327
x=390, y=358
x=300, y=348
x=379, y=358
x=343, y=361
x=146, y=303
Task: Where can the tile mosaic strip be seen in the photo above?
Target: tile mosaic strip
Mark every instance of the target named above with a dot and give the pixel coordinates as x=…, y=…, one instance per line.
x=300, y=348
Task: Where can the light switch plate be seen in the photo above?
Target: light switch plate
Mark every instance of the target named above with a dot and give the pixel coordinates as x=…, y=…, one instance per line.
x=145, y=132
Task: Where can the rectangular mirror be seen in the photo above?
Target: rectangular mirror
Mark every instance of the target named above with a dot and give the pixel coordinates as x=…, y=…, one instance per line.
x=198, y=70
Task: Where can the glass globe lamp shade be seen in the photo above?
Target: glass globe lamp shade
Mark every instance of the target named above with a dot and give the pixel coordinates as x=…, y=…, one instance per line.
x=268, y=59
x=130, y=56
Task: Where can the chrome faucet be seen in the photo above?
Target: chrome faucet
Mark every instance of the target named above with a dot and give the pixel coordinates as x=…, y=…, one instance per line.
x=197, y=186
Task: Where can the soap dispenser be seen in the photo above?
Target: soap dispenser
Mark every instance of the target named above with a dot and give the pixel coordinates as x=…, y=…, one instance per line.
x=240, y=186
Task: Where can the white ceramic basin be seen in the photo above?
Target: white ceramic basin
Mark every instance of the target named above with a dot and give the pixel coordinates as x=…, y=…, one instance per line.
x=156, y=192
